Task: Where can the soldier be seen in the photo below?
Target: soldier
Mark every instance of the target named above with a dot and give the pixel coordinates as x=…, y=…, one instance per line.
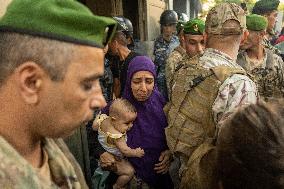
x=268, y=9
x=118, y=47
x=49, y=87
x=133, y=44
x=244, y=7
x=191, y=44
x=263, y=64
x=106, y=82
x=182, y=17
x=164, y=45
x=206, y=91
x=127, y=29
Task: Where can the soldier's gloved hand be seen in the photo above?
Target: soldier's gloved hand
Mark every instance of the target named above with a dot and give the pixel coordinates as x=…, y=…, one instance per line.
x=107, y=161
x=164, y=162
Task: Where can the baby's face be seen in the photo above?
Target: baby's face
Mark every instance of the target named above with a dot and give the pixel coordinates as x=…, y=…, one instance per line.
x=125, y=122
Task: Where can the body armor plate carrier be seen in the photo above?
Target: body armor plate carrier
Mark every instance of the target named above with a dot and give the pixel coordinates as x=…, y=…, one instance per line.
x=191, y=129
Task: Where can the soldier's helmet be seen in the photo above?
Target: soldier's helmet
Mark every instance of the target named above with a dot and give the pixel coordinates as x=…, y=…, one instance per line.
x=182, y=17
x=129, y=26
x=124, y=25
x=121, y=25
x=168, y=17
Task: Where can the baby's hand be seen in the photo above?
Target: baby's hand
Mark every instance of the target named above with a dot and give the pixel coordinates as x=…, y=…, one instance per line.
x=139, y=152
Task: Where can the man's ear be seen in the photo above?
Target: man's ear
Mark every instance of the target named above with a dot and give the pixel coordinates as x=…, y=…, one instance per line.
x=181, y=37
x=244, y=36
x=30, y=81
x=263, y=33
x=205, y=37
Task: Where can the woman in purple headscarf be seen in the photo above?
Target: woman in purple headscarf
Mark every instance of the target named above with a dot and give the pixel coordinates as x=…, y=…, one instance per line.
x=148, y=131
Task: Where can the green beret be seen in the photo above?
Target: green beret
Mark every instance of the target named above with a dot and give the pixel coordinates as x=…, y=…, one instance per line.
x=194, y=27
x=265, y=6
x=256, y=22
x=64, y=20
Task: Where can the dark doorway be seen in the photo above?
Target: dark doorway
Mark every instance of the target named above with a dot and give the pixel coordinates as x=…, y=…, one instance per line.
x=105, y=7
x=130, y=11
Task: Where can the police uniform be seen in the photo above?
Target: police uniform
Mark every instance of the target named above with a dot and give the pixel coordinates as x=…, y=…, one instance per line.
x=162, y=49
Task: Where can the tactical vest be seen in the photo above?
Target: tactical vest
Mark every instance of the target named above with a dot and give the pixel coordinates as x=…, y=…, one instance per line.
x=191, y=129
x=269, y=80
x=172, y=64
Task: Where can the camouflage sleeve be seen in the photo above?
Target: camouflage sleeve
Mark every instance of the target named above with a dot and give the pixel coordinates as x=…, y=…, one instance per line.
x=171, y=64
x=6, y=181
x=268, y=45
x=280, y=63
x=236, y=91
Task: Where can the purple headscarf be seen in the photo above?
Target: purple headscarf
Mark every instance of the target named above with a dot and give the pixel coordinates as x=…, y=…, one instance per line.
x=148, y=131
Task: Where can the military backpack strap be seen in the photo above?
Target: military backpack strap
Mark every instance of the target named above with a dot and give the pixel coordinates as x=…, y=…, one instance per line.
x=180, y=82
x=180, y=65
x=186, y=62
x=198, y=79
x=223, y=72
x=184, y=86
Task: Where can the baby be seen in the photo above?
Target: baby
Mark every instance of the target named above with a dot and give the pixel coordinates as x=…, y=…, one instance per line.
x=112, y=136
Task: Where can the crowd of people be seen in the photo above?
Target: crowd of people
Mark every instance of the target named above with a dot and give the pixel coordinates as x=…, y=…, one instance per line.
x=206, y=113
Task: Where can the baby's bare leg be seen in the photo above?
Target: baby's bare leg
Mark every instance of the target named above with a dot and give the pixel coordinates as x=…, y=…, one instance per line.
x=125, y=172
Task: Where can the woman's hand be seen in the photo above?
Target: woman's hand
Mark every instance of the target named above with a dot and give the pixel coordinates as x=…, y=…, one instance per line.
x=107, y=161
x=95, y=125
x=164, y=164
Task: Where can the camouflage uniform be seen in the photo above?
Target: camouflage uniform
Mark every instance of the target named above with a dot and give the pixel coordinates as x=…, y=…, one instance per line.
x=269, y=75
x=162, y=49
x=179, y=56
x=16, y=172
x=267, y=44
x=107, y=81
x=172, y=64
x=205, y=92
